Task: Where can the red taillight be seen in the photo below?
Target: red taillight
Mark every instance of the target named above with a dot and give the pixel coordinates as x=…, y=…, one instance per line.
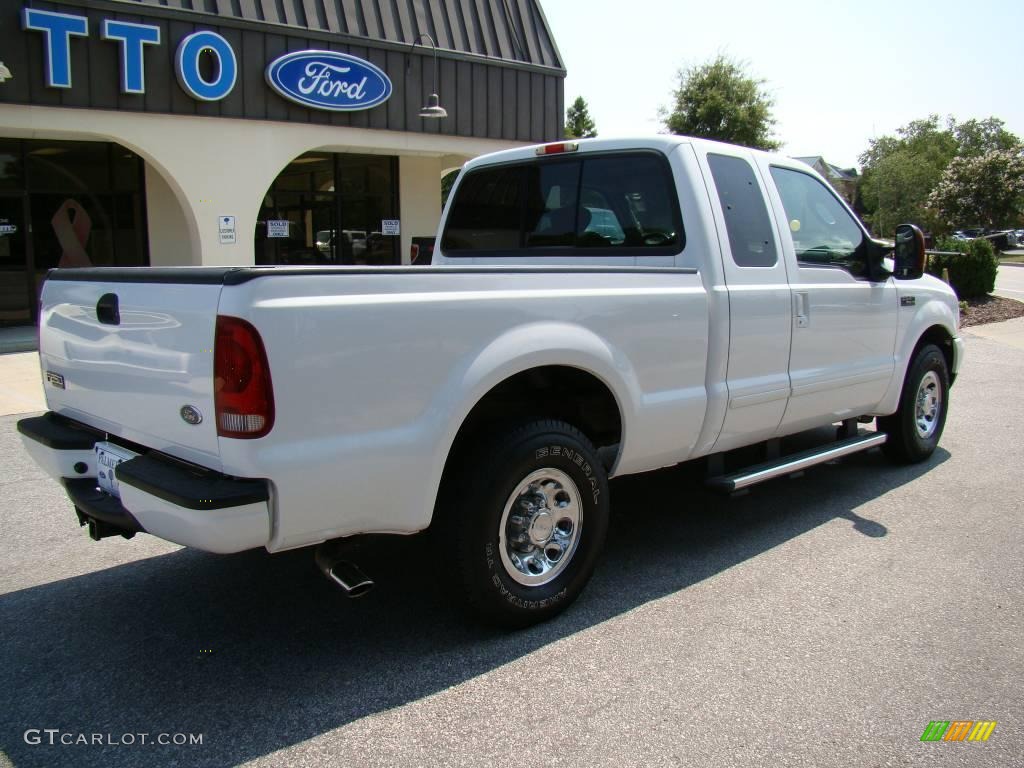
x=242, y=393
x=559, y=148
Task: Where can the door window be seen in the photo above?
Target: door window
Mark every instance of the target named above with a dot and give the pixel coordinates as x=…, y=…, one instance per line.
x=746, y=215
x=823, y=231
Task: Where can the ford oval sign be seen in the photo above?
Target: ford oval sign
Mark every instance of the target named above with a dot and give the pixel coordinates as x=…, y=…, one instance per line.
x=328, y=80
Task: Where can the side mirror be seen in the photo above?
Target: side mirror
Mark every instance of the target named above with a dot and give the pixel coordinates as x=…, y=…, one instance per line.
x=909, y=256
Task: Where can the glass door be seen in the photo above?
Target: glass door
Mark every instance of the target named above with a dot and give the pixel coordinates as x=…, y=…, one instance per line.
x=368, y=197
x=17, y=305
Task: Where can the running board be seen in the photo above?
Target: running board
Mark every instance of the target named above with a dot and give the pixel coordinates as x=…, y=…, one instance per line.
x=794, y=463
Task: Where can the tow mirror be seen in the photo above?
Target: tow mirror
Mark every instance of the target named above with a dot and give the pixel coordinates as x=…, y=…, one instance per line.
x=909, y=255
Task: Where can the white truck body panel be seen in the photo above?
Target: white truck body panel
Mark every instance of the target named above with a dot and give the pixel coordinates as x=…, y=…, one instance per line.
x=384, y=447
x=131, y=379
x=376, y=370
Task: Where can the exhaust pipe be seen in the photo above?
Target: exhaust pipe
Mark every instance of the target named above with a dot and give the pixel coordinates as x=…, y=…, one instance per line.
x=346, y=574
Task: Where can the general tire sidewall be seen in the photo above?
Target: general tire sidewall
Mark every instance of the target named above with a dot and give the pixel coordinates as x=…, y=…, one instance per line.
x=929, y=359
x=579, y=462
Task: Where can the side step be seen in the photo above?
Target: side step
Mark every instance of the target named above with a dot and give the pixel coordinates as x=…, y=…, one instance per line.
x=796, y=462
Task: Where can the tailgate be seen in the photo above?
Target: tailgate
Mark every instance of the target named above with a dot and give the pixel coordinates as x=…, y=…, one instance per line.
x=128, y=357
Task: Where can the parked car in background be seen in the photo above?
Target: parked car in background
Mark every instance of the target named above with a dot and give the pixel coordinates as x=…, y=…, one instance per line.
x=324, y=239
x=968, y=233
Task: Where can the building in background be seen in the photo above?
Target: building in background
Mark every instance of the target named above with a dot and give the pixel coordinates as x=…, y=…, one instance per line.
x=843, y=180
x=253, y=132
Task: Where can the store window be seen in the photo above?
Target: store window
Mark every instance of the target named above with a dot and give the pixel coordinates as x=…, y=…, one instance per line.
x=65, y=204
x=327, y=208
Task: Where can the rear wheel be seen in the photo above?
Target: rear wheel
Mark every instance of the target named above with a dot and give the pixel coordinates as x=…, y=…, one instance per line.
x=914, y=430
x=530, y=521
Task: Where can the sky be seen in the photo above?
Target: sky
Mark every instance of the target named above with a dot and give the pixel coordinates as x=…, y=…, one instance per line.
x=840, y=71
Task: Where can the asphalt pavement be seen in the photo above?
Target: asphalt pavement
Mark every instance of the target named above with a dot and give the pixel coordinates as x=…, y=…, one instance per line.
x=821, y=621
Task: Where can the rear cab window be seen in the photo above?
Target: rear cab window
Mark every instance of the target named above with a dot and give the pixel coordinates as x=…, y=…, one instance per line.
x=614, y=204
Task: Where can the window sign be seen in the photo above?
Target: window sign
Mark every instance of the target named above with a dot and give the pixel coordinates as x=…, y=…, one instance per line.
x=277, y=227
x=226, y=229
x=390, y=227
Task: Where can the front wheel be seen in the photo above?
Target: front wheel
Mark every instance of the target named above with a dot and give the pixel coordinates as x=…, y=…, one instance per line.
x=914, y=430
x=529, y=522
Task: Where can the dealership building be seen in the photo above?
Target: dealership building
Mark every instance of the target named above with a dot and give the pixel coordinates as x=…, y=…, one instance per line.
x=239, y=132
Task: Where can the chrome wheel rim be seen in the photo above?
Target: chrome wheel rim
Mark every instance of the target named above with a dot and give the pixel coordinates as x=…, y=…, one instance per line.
x=540, y=527
x=928, y=405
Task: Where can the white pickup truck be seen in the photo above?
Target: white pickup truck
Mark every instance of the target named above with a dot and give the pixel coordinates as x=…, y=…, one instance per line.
x=594, y=309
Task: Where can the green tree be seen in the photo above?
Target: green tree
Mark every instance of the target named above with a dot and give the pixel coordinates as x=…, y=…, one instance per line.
x=976, y=137
x=578, y=123
x=719, y=100
x=986, y=189
x=899, y=172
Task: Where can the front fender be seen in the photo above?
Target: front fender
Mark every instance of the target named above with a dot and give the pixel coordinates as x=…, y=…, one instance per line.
x=938, y=311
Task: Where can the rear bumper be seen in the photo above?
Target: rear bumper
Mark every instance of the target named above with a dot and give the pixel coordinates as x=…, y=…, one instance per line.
x=170, y=499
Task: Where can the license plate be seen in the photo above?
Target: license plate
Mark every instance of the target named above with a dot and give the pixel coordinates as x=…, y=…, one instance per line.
x=108, y=456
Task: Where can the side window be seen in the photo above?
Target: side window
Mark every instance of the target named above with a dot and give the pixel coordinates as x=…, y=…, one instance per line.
x=823, y=232
x=551, y=204
x=746, y=215
x=486, y=214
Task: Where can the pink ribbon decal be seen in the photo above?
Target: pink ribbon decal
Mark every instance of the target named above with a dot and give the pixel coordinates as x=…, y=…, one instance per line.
x=72, y=234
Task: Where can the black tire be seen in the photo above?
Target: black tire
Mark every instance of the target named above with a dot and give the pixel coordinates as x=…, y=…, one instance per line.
x=906, y=443
x=489, y=477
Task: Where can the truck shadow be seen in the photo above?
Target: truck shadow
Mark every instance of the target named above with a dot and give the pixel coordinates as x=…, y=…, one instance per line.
x=258, y=652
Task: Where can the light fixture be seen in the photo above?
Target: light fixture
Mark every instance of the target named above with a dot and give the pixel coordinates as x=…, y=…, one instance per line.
x=432, y=109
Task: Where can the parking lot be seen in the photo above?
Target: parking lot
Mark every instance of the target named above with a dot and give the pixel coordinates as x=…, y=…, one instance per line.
x=820, y=621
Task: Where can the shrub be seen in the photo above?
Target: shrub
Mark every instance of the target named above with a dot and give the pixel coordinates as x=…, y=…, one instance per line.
x=972, y=270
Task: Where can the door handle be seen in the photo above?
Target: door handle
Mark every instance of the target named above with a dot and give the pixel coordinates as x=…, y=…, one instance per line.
x=801, y=313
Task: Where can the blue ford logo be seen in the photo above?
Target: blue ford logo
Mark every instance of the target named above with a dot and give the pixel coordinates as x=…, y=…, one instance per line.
x=191, y=414
x=328, y=80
